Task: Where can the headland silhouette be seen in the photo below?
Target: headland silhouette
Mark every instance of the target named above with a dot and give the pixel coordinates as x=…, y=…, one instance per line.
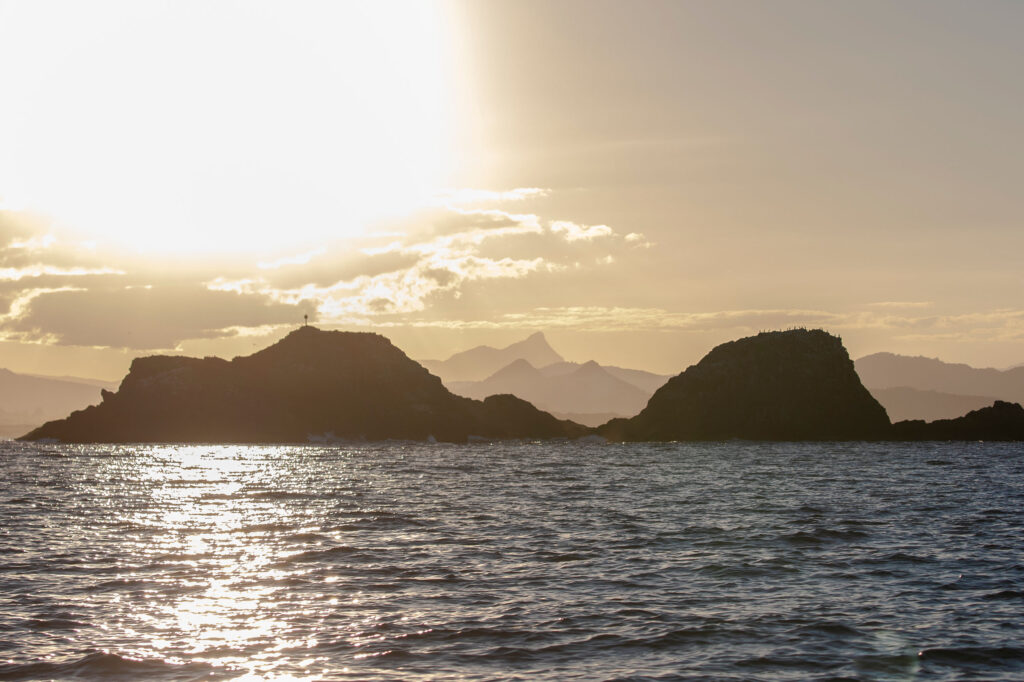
x=322, y=386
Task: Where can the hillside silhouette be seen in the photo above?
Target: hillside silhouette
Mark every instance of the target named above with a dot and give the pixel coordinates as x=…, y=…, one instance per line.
x=324, y=386
x=312, y=384
x=1002, y=421
x=788, y=385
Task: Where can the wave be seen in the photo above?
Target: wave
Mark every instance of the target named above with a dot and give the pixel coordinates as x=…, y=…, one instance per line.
x=47, y=624
x=318, y=555
x=1005, y=657
x=820, y=536
x=100, y=665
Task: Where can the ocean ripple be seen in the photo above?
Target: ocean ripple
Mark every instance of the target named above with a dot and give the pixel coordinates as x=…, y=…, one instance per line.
x=521, y=561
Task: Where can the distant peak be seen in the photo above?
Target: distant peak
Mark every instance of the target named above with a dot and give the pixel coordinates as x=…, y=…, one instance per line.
x=304, y=333
x=590, y=367
x=536, y=339
x=536, y=349
x=516, y=368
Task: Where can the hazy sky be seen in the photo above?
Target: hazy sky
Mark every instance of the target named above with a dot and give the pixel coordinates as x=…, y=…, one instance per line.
x=640, y=180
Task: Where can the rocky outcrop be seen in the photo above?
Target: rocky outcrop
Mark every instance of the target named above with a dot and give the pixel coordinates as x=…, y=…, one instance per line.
x=312, y=382
x=1000, y=421
x=791, y=385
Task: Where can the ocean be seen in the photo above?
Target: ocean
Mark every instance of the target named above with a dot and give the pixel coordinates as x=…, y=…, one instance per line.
x=521, y=561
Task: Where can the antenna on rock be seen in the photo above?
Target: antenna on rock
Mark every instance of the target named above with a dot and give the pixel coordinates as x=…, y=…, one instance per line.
x=305, y=320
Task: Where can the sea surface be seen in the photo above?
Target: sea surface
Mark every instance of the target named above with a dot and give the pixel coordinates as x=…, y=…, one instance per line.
x=530, y=561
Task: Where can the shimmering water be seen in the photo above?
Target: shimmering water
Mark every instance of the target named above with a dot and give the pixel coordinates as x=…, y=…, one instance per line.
x=738, y=561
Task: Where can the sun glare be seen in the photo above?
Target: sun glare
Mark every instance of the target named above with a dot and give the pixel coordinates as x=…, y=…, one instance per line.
x=222, y=126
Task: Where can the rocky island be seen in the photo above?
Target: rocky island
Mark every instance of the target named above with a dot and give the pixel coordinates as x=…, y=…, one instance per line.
x=314, y=385
x=786, y=385
x=311, y=385
x=1000, y=421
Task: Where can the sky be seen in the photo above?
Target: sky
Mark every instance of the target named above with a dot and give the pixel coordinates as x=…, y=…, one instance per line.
x=639, y=180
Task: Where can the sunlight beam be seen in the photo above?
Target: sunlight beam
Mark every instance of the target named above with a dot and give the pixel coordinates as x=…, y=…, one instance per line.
x=222, y=126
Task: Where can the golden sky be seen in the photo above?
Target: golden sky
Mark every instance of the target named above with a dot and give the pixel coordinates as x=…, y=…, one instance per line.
x=640, y=180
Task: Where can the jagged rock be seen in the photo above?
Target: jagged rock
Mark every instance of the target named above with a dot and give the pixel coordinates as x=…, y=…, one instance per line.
x=792, y=385
x=1001, y=421
x=351, y=385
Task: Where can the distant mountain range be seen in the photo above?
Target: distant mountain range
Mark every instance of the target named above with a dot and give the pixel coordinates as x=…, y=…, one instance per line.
x=26, y=400
x=481, y=362
x=914, y=387
x=589, y=392
x=531, y=369
x=903, y=402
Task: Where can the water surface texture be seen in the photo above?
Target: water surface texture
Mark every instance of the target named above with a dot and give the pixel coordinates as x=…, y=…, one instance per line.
x=744, y=561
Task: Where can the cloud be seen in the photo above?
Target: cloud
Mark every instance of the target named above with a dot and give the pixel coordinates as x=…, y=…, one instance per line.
x=455, y=221
x=901, y=304
x=300, y=259
x=575, y=232
x=36, y=271
x=59, y=292
x=474, y=196
x=476, y=225
x=600, y=318
x=989, y=326
x=18, y=228
x=145, y=318
x=471, y=245
x=29, y=246
x=328, y=269
x=637, y=239
x=22, y=237
x=436, y=255
x=410, y=290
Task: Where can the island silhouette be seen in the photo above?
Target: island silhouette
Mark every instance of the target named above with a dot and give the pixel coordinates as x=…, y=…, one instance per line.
x=322, y=386
x=788, y=385
x=313, y=385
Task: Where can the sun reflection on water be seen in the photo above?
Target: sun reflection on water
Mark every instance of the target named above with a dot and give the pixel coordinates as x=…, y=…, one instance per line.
x=418, y=562
x=210, y=524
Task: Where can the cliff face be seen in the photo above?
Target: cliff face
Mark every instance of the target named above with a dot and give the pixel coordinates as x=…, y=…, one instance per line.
x=312, y=382
x=792, y=385
x=1000, y=421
